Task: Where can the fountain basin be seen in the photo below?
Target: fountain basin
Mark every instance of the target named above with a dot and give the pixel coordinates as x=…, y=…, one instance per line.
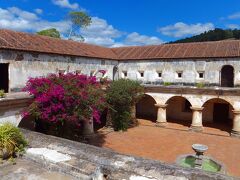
x=208, y=164
x=199, y=148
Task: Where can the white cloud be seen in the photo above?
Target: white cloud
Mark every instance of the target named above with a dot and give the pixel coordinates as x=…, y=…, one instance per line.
x=14, y=11
x=65, y=4
x=233, y=26
x=234, y=16
x=38, y=11
x=181, y=29
x=137, y=39
x=100, y=32
x=20, y=20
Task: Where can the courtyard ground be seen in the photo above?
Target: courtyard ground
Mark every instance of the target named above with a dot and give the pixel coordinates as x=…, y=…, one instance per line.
x=166, y=144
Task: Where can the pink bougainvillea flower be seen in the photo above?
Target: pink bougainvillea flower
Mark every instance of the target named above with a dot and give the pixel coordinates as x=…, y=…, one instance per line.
x=65, y=98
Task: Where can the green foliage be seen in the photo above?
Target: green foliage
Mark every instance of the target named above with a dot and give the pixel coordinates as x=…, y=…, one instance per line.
x=200, y=85
x=212, y=35
x=11, y=140
x=2, y=93
x=167, y=83
x=52, y=32
x=79, y=20
x=121, y=96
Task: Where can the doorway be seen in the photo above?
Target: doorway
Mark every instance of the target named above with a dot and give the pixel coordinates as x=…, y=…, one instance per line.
x=221, y=113
x=227, y=76
x=4, y=81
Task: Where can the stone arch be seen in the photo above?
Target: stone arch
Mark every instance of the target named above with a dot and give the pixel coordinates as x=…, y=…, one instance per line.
x=227, y=76
x=217, y=113
x=146, y=109
x=221, y=98
x=179, y=110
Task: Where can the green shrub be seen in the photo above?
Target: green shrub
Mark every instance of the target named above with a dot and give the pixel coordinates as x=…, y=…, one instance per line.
x=200, y=85
x=2, y=93
x=11, y=141
x=167, y=83
x=122, y=95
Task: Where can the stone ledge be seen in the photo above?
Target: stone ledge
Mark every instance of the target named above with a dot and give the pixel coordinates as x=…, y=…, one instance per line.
x=90, y=160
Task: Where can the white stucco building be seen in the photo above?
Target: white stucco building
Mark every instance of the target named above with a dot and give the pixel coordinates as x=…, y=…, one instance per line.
x=194, y=83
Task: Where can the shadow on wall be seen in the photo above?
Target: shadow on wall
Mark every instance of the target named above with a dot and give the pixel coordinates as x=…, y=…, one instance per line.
x=145, y=109
x=179, y=111
x=217, y=113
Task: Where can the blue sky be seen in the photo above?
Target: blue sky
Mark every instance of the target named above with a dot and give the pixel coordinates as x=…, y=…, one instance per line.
x=124, y=22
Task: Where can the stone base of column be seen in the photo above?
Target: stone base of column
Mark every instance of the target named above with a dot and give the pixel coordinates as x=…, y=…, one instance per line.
x=161, y=124
x=196, y=128
x=88, y=130
x=235, y=134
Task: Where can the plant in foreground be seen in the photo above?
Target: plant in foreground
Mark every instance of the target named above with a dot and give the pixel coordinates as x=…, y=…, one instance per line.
x=2, y=93
x=11, y=141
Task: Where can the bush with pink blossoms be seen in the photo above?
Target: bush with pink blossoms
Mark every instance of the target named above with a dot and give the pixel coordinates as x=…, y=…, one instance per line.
x=66, y=98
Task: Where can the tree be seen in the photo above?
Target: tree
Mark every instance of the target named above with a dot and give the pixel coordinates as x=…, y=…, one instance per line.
x=52, y=32
x=122, y=95
x=212, y=35
x=78, y=20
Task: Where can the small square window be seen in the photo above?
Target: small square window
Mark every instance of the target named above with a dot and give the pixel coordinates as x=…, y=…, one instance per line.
x=141, y=74
x=124, y=73
x=160, y=74
x=92, y=73
x=61, y=72
x=78, y=71
x=179, y=75
x=200, y=75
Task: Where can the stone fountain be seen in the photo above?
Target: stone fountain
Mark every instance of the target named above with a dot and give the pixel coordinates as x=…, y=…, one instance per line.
x=200, y=161
x=199, y=150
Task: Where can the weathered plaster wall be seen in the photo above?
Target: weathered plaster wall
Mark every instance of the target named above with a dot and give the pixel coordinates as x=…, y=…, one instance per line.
x=189, y=69
x=176, y=110
x=24, y=65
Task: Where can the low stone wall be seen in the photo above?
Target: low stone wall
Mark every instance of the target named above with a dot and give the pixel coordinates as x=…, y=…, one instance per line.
x=11, y=107
x=90, y=162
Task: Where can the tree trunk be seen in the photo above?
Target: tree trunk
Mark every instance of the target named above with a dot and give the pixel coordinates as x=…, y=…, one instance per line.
x=134, y=121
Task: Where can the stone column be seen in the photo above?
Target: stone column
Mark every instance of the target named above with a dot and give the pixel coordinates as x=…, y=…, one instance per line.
x=161, y=115
x=88, y=129
x=236, y=123
x=196, y=119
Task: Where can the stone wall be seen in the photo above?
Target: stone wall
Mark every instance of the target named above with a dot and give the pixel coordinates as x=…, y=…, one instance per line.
x=101, y=163
x=23, y=65
x=12, y=106
x=188, y=67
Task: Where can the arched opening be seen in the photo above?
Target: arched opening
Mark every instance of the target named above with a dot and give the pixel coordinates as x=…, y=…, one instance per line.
x=145, y=108
x=179, y=111
x=227, y=76
x=217, y=114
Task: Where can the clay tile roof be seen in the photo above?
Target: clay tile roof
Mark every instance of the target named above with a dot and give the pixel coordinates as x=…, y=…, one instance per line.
x=42, y=44
x=213, y=49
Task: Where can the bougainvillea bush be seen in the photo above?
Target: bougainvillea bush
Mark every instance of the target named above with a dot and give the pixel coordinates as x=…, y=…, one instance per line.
x=66, y=98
